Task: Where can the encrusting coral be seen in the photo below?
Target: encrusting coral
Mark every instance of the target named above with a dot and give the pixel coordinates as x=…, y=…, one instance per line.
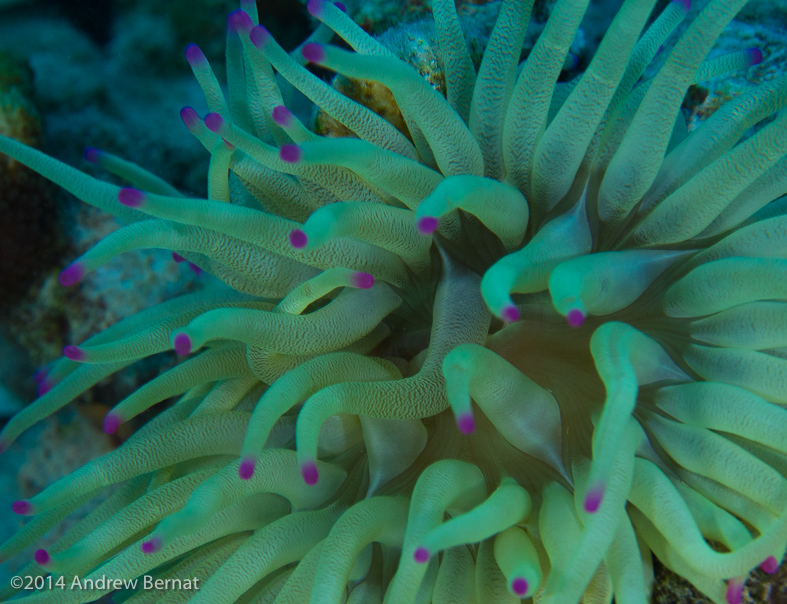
x=510, y=356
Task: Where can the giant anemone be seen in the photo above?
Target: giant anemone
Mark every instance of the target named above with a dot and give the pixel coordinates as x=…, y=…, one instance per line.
x=508, y=351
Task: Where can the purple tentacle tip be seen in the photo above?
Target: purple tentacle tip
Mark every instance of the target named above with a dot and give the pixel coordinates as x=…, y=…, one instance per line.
x=421, y=555
x=42, y=557
x=182, y=344
x=686, y=4
x=177, y=257
x=259, y=36
x=310, y=473
x=362, y=280
x=340, y=6
x=75, y=353
x=755, y=56
x=520, y=586
x=151, y=546
x=72, y=274
x=315, y=7
x=239, y=21
x=195, y=269
x=40, y=375
x=593, y=499
x=313, y=52
x=298, y=239
x=247, y=467
x=214, y=122
x=282, y=116
x=290, y=153
x=770, y=565
x=575, y=317
x=22, y=507
x=428, y=225
x=133, y=198
x=734, y=593
x=44, y=387
x=112, y=422
x=194, y=55
x=466, y=423
x=510, y=314
x=189, y=117
x=92, y=155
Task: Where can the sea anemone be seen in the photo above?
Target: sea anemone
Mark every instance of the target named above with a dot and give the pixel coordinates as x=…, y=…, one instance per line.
x=510, y=351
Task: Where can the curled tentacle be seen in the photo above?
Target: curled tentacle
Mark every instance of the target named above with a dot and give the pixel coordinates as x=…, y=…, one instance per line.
x=625, y=358
x=351, y=315
x=298, y=385
x=518, y=559
x=507, y=506
x=379, y=519
x=460, y=316
x=527, y=270
x=601, y=284
x=527, y=415
x=500, y=208
x=444, y=484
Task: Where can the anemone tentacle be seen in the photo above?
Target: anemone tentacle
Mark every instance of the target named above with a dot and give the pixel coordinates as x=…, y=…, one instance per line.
x=504, y=342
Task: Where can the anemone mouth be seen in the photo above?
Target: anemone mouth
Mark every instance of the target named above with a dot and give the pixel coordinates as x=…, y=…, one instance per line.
x=582, y=365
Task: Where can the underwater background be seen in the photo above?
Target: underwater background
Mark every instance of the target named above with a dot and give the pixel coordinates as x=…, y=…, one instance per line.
x=111, y=74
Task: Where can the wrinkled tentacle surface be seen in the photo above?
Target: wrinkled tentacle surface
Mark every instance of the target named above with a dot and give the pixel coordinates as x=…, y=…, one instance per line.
x=512, y=350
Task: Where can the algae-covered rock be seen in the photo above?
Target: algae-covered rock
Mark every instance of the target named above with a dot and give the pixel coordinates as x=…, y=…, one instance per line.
x=28, y=234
